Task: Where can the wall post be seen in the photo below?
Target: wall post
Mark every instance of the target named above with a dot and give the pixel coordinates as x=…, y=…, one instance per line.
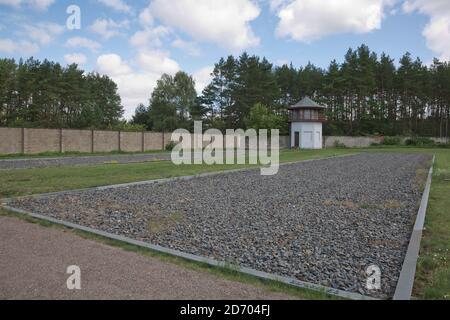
x=23, y=140
x=119, y=140
x=60, y=140
x=92, y=141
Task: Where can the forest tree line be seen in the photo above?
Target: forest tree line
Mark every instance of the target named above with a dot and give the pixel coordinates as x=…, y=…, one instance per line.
x=367, y=94
x=45, y=94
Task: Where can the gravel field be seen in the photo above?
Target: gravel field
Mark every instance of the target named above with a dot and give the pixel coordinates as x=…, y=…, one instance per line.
x=8, y=164
x=322, y=221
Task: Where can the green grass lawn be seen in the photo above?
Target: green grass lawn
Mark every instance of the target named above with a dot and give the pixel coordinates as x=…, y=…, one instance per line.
x=433, y=274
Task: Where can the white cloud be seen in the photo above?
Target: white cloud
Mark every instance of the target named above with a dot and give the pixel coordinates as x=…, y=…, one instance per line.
x=276, y=4
x=149, y=37
x=77, y=58
x=188, y=47
x=112, y=65
x=146, y=18
x=136, y=86
x=108, y=28
x=21, y=47
x=36, y=4
x=41, y=4
x=202, y=78
x=437, y=31
x=309, y=20
x=12, y=3
x=30, y=37
x=226, y=23
x=157, y=62
x=43, y=33
x=282, y=62
x=118, y=5
x=80, y=42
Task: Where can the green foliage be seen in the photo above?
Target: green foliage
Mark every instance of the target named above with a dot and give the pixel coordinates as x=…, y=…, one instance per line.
x=392, y=141
x=45, y=94
x=261, y=117
x=141, y=117
x=170, y=145
x=443, y=145
x=127, y=126
x=364, y=95
x=173, y=102
x=419, y=142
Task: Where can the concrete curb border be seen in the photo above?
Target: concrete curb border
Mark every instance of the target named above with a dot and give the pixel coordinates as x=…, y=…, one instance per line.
x=405, y=282
x=82, y=157
x=196, y=258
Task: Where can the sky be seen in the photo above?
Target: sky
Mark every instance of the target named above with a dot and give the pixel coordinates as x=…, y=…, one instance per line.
x=135, y=41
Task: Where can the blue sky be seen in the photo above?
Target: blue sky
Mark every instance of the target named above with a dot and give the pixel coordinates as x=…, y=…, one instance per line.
x=134, y=42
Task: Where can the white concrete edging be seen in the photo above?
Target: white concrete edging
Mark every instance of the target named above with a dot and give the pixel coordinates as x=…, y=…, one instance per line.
x=405, y=282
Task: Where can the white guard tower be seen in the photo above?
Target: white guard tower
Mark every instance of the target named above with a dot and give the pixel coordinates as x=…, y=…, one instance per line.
x=305, y=122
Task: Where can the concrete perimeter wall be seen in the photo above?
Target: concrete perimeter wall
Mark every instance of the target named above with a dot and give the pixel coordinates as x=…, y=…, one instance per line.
x=33, y=141
x=11, y=141
x=76, y=141
x=351, y=142
x=41, y=140
x=364, y=142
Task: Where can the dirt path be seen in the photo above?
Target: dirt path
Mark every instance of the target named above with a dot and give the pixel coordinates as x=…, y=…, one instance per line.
x=34, y=259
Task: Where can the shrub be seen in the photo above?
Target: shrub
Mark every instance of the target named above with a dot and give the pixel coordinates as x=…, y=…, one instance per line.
x=392, y=141
x=170, y=145
x=419, y=142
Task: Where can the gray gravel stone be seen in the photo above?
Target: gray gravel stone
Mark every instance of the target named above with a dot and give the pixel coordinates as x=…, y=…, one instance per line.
x=324, y=221
x=29, y=163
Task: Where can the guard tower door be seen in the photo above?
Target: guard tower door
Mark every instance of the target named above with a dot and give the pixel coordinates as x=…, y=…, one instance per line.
x=297, y=140
x=308, y=142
